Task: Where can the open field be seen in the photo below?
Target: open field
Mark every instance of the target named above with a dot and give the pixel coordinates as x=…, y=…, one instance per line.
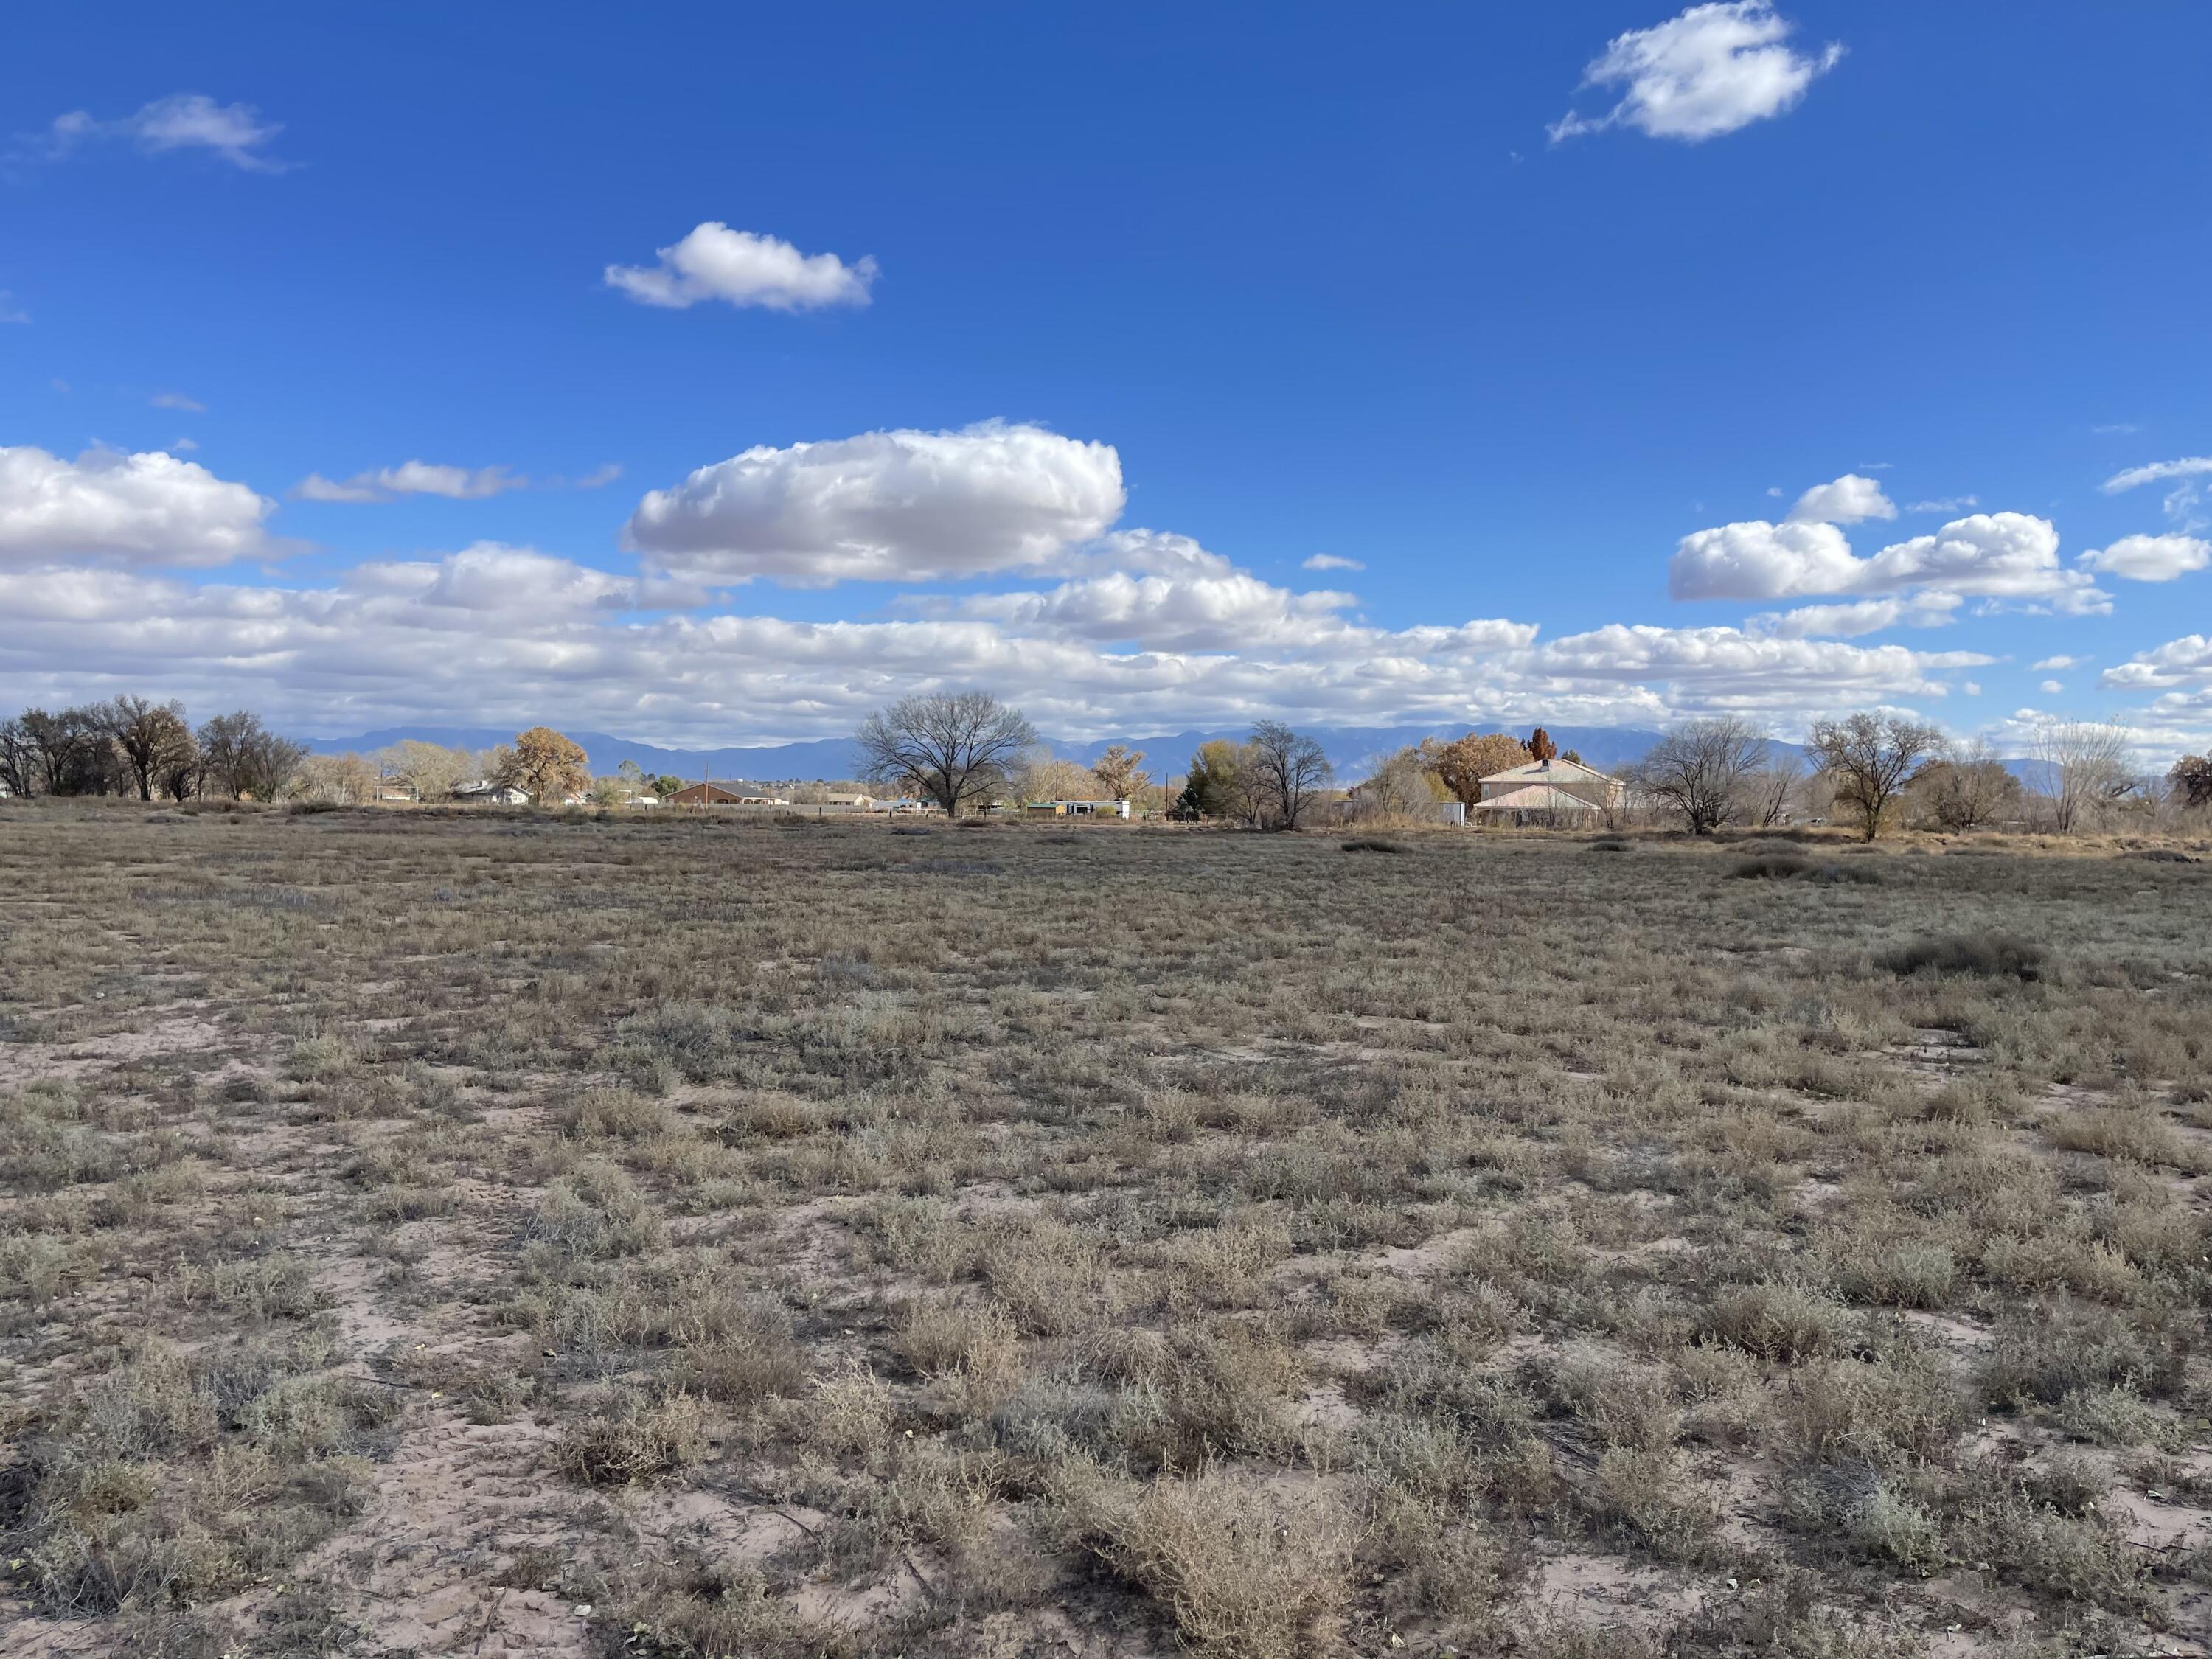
x=465, y=1235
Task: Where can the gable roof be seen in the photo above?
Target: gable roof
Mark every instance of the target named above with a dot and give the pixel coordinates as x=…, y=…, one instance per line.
x=1555, y=770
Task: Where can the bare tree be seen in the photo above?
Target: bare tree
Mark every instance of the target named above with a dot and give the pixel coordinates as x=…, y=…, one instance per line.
x=1966, y=788
x=954, y=747
x=334, y=780
x=1118, y=773
x=1701, y=770
x=1868, y=757
x=430, y=769
x=1401, y=789
x=1288, y=770
x=19, y=759
x=63, y=748
x=242, y=757
x=2082, y=767
x=152, y=736
x=1773, y=784
x=2189, y=782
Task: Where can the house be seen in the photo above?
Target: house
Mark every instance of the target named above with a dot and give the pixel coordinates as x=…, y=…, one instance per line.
x=484, y=792
x=853, y=802
x=1563, y=787
x=709, y=792
x=1537, y=802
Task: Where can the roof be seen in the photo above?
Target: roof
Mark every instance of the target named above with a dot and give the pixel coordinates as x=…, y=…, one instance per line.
x=1556, y=770
x=1536, y=797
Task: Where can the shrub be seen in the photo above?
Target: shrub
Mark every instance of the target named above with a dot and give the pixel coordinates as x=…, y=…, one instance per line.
x=1987, y=955
x=1372, y=844
x=1243, y=1572
x=636, y=1443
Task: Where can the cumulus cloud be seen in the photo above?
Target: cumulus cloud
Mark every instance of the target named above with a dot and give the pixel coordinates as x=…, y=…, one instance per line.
x=184, y=120
x=1756, y=560
x=2059, y=663
x=2189, y=466
x=1849, y=500
x=904, y=506
x=1712, y=70
x=2009, y=556
x=1707, y=668
x=1948, y=504
x=1847, y=622
x=1331, y=561
x=2150, y=558
x=2185, y=661
x=741, y=268
x=455, y=483
x=146, y=508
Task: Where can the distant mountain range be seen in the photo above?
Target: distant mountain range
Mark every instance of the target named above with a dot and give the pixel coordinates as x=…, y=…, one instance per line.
x=1354, y=750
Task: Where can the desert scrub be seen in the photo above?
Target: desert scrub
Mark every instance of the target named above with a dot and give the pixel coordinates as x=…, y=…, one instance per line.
x=1241, y=1572
x=179, y=1478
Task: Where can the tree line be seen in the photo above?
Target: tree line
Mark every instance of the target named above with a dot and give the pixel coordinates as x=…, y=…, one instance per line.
x=132, y=745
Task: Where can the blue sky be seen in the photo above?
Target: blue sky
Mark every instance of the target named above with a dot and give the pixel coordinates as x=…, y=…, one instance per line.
x=1326, y=284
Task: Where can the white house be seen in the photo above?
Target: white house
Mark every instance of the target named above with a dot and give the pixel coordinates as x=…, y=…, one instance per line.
x=1550, y=791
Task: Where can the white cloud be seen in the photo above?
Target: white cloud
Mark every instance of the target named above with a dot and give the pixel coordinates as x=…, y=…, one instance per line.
x=1948, y=504
x=177, y=400
x=902, y=506
x=455, y=483
x=1845, y=621
x=184, y=120
x=2188, y=466
x=10, y=311
x=716, y=263
x=1993, y=556
x=1849, y=500
x=1712, y=70
x=2150, y=558
x=2060, y=664
x=2185, y=661
x=1707, y=668
x=146, y=508
x=1331, y=561
x=599, y=476
x=1756, y=560
x=2051, y=688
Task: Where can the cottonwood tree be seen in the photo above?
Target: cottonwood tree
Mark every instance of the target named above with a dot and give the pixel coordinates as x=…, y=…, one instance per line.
x=1402, y=787
x=1462, y=764
x=1288, y=771
x=2082, y=768
x=152, y=737
x=242, y=757
x=952, y=747
x=542, y=761
x=1118, y=773
x=1868, y=757
x=1964, y=788
x=430, y=769
x=335, y=780
x=1702, y=769
x=2191, y=780
x=68, y=750
x=19, y=759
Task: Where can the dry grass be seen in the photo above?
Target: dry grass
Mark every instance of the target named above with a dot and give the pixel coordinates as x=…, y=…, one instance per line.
x=792, y=1240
